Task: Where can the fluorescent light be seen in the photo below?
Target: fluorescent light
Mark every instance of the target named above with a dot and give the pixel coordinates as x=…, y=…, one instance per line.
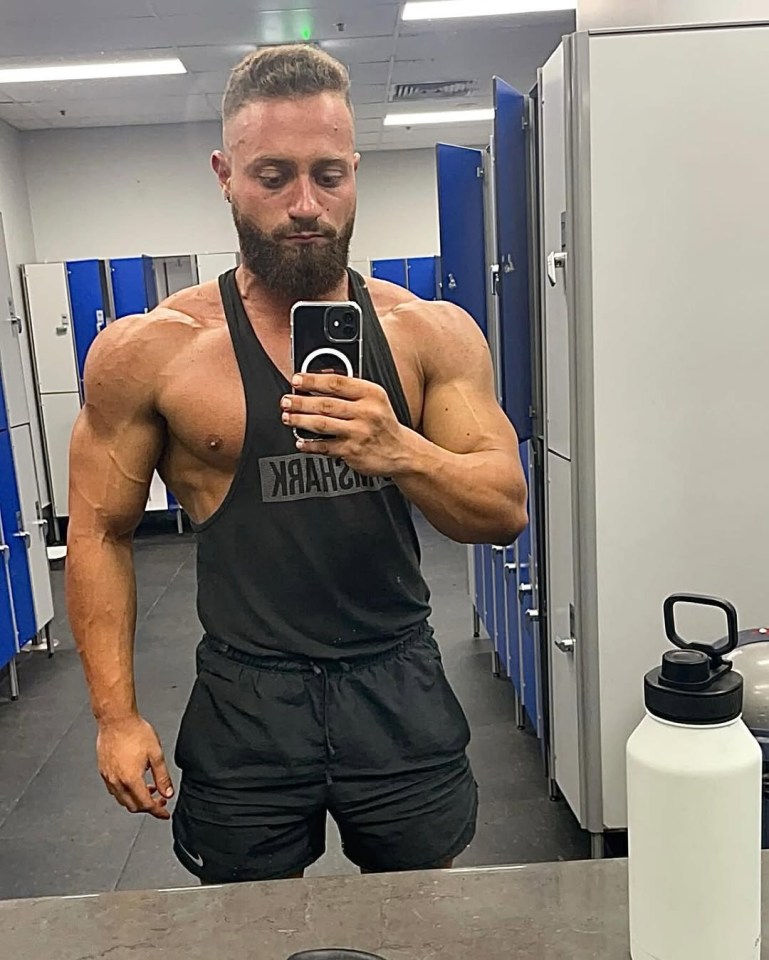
x=92, y=71
x=438, y=116
x=446, y=9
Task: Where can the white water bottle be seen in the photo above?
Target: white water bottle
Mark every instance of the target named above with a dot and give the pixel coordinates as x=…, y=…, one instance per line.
x=694, y=807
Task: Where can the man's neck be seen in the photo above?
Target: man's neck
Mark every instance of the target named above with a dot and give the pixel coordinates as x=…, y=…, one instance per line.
x=271, y=309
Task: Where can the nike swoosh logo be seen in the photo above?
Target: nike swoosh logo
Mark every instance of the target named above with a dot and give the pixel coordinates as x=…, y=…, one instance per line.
x=195, y=857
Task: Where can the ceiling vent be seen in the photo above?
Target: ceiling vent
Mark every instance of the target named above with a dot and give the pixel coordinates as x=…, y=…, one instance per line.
x=444, y=90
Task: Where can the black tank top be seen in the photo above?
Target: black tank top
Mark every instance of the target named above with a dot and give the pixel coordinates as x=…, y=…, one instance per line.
x=305, y=557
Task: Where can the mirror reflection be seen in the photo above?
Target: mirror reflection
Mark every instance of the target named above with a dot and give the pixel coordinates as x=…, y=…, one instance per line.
x=372, y=374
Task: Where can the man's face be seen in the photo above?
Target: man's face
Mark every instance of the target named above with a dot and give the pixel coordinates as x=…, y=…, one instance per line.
x=289, y=169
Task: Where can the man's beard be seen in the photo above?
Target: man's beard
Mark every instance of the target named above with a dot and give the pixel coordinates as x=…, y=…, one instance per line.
x=296, y=272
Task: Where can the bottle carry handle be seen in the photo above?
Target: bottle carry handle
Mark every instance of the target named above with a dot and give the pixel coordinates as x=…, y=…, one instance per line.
x=716, y=651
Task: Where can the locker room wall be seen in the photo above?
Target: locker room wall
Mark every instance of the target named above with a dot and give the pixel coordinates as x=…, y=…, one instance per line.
x=160, y=197
x=19, y=238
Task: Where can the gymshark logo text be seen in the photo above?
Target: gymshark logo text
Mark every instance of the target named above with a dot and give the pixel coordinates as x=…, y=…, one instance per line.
x=305, y=476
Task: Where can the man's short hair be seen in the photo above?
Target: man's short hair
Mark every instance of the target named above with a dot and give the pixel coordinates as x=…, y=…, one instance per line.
x=284, y=72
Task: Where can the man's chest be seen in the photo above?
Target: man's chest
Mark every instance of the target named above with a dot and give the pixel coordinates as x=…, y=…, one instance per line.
x=203, y=397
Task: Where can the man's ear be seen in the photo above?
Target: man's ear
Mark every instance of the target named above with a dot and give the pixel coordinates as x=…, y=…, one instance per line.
x=355, y=161
x=221, y=167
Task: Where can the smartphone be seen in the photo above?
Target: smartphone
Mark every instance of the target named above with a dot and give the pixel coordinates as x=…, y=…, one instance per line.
x=326, y=338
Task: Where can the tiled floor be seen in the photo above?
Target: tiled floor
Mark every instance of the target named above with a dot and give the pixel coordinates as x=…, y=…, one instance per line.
x=60, y=832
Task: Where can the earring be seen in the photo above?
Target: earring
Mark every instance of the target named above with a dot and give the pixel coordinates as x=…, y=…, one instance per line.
x=228, y=198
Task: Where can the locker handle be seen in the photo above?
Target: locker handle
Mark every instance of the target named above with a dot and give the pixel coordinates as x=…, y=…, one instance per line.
x=41, y=523
x=101, y=323
x=16, y=321
x=555, y=261
x=525, y=588
x=565, y=644
x=4, y=548
x=497, y=549
x=452, y=282
x=511, y=567
x=533, y=614
x=26, y=536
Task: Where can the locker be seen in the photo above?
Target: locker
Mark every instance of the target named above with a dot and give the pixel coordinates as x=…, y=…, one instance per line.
x=8, y=637
x=172, y=274
x=16, y=537
x=50, y=317
x=59, y=414
x=211, y=265
x=511, y=200
x=422, y=278
x=90, y=301
x=395, y=271
x=33, y=526
x=499, y=557
x=462, y=229
x=15, y=410
x=134, y=288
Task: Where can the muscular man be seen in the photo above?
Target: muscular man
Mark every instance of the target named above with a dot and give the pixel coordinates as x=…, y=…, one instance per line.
x=320, y=687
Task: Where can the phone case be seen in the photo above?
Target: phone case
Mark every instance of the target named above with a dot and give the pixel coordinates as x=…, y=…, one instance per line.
x=313, y=350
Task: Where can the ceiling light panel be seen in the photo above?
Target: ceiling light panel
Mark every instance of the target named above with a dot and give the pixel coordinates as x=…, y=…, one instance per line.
x=91, y=71
x=438, y=117
x=449, y=9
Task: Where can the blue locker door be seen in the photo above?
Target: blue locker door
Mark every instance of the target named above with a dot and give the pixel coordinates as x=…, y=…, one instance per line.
x=479, y=593
x=129, y=287
x=392, y=270
x=7, y=628
x=462, y=229
x=18, y=559
x=501, y=556
x=529, y=658
x=488, y=590
x=511, y=151
x=89, y=309
x=150, y=282
x=513, y=628
x=421, y=277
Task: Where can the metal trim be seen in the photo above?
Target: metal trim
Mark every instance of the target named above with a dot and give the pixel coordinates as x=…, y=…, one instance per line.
x=493, y=319
x=670, y=28
x=580, y=306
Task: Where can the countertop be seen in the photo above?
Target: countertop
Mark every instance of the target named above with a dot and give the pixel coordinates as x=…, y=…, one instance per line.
x=562, y=911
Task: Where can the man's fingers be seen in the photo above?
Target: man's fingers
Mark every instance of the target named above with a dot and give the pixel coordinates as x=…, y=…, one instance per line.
x=323, y=425
x=161, y=776
x=324, y=406
x=348, y=388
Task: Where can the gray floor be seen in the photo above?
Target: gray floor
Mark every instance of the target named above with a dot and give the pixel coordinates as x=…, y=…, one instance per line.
x=60, y=832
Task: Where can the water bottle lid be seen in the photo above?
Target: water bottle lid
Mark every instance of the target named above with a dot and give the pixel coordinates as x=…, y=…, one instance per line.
x=694, y=684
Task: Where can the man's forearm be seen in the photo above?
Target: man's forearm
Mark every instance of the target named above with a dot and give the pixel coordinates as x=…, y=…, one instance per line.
x=469, y=497
x=101, y=602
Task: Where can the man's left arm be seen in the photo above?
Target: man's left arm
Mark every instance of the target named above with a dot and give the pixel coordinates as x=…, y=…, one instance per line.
x=464, y=471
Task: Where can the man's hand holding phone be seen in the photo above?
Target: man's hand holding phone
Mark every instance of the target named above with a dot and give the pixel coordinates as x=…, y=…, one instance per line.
x=357, y=414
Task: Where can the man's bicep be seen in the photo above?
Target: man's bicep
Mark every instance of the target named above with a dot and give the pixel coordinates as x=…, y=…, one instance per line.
x=110, y=473
x=460, y=411
x=116, y=444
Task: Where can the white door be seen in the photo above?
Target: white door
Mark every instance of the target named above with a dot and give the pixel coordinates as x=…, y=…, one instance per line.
x=12, y=370
x=210, y=265
x=52, y=333
x=564, y=710
x=33, y=524
x=158, y=496
x=60, y=411
x=553, y=207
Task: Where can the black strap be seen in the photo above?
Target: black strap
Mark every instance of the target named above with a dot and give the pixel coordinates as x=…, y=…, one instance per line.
x=334, y=955
x=376, y=350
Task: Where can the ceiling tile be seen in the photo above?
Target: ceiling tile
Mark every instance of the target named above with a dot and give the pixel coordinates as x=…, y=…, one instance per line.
x=364, y=50
x=341, y=8
x=179, y=107
x=127, y=88
x=364, y=93
x=27, y=11
x=277, y=26
x=368, y=73
x=44, y=37
x=206, y=59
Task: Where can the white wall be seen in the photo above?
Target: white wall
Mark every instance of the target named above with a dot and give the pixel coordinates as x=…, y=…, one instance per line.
x=17, y=223
x=123, y=191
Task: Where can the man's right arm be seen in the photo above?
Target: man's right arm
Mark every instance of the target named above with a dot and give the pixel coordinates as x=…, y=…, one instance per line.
x=116, y=444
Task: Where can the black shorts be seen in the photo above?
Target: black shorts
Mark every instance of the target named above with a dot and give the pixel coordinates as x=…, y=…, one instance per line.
x=267, y=748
